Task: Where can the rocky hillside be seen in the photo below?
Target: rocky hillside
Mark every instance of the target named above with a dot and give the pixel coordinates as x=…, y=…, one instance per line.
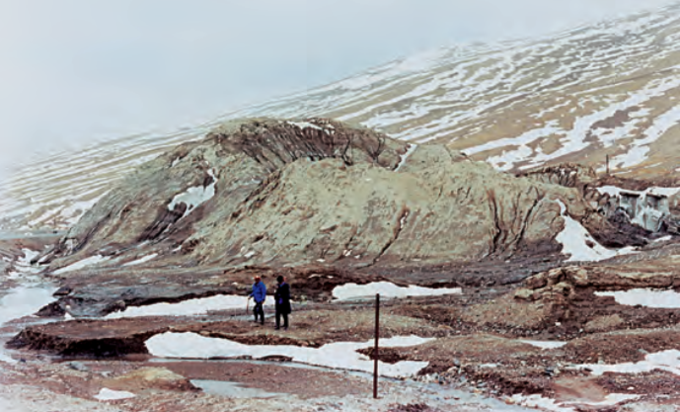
x=284, y=193
x=609, y=89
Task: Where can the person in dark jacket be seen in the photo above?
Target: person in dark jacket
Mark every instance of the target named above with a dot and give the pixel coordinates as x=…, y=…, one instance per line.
x=282, y=297
x=259, y=294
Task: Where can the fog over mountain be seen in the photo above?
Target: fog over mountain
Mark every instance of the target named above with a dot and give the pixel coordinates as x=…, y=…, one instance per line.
x=76, y=72
x=578, y=96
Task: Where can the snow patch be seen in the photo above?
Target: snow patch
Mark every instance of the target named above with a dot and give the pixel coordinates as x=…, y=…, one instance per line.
x=194, y=196
x=304, y=125
x=24, y=301
x=339, y=355
x=545, y=344
x=110, y=395
x=538, y=401
x=411, y=148
x=23, y=266
x=141, y=260
x=402, y=221
x=28, y=256
x=73, y=212
x=387, y=289
x=576, y=138
x=646, y=297
x=188, y=307
x=92, y=260
x=615, y=191
x=508, y=158
x=668, y=360
x=7, y=359
x=574, y=237
x=639, y=148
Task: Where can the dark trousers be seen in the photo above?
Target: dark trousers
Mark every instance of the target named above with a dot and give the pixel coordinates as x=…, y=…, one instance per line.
x=280, y=313
x=258, y=310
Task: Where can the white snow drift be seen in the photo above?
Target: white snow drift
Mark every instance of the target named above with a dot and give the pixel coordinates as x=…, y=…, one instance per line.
x=24, y=301
x=668, y=360
x=538, y=401
x=92, y=260
x=544, y=344
x=575, y=240
x=646, y=297
x=141, y=260
x=387, y=289
x=411, y=148
x=195, y=196
x=107, y=394
x=339, y=355
x=188, y=307
x=22, y=265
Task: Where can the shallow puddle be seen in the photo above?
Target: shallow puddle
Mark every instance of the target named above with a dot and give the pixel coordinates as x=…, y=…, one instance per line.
x=430, y=392
x=233, y=389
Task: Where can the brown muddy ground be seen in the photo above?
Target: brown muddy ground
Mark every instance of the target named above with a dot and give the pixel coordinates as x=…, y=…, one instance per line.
x=486, y=355
x=72, y=385
x=478, y=340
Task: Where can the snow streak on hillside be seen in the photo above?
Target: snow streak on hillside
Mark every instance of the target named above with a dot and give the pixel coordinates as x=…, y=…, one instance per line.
x=605, y=89
x=611, y=88
x=57, y=191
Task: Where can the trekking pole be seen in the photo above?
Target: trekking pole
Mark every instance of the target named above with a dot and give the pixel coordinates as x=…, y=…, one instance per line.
x=375, y=350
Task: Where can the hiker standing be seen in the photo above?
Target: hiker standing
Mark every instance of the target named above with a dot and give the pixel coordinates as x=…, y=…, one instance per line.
x=282, y=297
x=259, y=294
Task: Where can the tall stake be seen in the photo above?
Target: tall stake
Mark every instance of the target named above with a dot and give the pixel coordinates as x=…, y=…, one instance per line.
x=375, y=351
x=607, y=165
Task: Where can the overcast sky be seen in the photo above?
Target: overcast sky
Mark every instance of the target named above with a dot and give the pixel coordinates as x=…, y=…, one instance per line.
x=76, y=71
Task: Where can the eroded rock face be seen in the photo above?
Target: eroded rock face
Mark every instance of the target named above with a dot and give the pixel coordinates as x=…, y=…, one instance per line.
x=634, y=211
x=564, y=174
x=291, y=193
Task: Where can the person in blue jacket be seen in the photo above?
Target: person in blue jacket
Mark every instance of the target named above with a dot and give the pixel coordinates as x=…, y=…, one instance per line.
x=259, y=294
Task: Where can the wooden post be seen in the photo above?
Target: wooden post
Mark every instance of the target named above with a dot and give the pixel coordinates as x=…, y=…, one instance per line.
x=375, y=351
x=607, y=165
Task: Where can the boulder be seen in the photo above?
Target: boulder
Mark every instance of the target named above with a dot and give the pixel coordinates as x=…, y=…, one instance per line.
x=150, y=378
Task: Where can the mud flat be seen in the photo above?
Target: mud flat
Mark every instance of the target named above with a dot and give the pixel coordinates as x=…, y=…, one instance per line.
x=532, y=345
x=560, y=338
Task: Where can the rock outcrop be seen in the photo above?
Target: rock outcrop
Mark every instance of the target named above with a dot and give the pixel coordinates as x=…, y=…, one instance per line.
x=150, y=378
x=284, y=193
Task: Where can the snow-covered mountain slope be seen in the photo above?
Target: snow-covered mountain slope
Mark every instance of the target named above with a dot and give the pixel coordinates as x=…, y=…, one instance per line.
x=609, y=89
x=56, y=191
x=612, y=88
